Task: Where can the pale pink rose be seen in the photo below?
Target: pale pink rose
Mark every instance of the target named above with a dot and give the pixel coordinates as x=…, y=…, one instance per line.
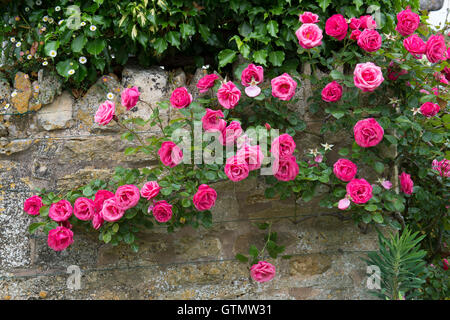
x=332, y=92
x=111, y=211
x=162, y=211
x=212, y=120
x=105, y=113
x=180, y=98
x=283, y=87
x=32, y=205
x=282, y=146
x=100, y=197
x=386, y=184
x=127, y=196
x=252, y=155
x=318, y=158
x=206, y=82
x=236, y=168
x=436, y=48
x=343, y=204
x=359, y=190
x=443, y=167
x=60, y=238
x=230, y=133
x=228, y=95
x=415, y=45
x=355, y=23
x=309, y=35
x=369, y=40
x=60, y=211
x=355, y=34
x=97, y=221
x=345, y=170
x=406, y=184
x=308, y=17
x=429, y=109
x=150, y=190
x=170, y=154
x=424, y=91
x=286, y=168
x=367, y=76
x=368, y=132
x=407, y=22
x=367, y=22
x=262, y=271
x=130, y=97
x=252, y=75
x=205, y=198
x=84, y=209
x=336, y=26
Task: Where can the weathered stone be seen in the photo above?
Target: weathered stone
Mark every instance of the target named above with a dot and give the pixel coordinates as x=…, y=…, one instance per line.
x=9, y=147
x=58, y=114
x=431, y=5
x=5, y=93
x=22, y=88
x=309, y=265
x=50, y=86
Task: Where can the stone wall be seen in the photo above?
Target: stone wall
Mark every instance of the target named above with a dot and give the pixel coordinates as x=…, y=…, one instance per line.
x=48, y=139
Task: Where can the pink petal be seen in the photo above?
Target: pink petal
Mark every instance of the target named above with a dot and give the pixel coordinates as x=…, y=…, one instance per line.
x=252, y=91
x=387, y=184
x=343, y=204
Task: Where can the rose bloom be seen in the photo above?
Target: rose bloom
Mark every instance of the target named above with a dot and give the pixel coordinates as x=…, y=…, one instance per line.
x=32, y=205
x=84, y=209
x=436, y=49
x=162, y=211
x=336, y=26
x=343, y=204
x=100, y=197
x=282, y=146
x=262, y=271
x=97, y=221
x=211, y=120
x=111, y=211
x=207, y=82
x=367, y=22
x=60, y=238
x=415, y=45
x=407, y=22
x=359, y=190
x=180, y=98
x=443, y=167
x=105, y=113
x=230, y=133
x=60, y=211
x=252, y=155
x=429, y=109
x=368, y=132
x=308, y=17
x=170, y=154
x=228, y=95
x=309, y=35
x=367, y=76
x=205, y=198
x=332, y=92
x=345, y=170
x=286, y=168
x=127, y=196
x=355, y=34
x=130, y=97
x=355, y=23
x=150, y=190
x=406, y=184
x=283, y=87
x=236, y=168
x=369, y=40
x=252, y=75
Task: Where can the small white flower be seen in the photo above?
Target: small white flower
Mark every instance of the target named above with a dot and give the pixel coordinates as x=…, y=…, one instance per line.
x=36, y=88
x=314, y=152
x=92, y=28
x=60, y=22
x=83, y=24
x=14, y=93
x=162, y=67
x=415, y=111
x=6, y=106
x=18, y=44
x=82, y=60
x=53, y=53
x=110, y=95
x=327, y=146
x=13, y=39
x=29, y=57
x=71, y=72
x=27, y=9
x=45, y=18
x=38, y=2
x=45, y=63
x=50, y=20
x=205, y=67
x=57, y=8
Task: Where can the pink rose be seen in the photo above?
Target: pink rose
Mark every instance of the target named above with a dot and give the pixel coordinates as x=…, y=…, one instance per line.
x=429, y=109
x=336, y=26
x=283, y=87
x=332, y=92
x=130, y=97
x=309, y=35
x=180, y=98
x=367, y=76
x=252, y=75
x=228, y=95
x=32, y=205
x=367, y=22
x=97, y=221
x=415, y=45
x=386, y=184
x=100, y=197
x=369, y=40
x=252, y=155
x=282, y=146
x=355, y=34
x=236, y=168
x=84, y=209
x=205, y=198
x=443, y=167
x=406, y=184
x=355, y=23
x=359, y=190
x=262, y=271
x=60, y=211
x=105, y=113
x=308, y=17
x=150, y=190
x=436, y=49
x=170, y=154
x=127, y=196
x=408, y=22
x=345, y=170
x=60, y=238
x=207, y=82
x=111, y=211
x=368, y=132
x=286, y=168
x=212, y=120
x=343, y=204
x=230, y=134
x=162, y=211
x=445, y=264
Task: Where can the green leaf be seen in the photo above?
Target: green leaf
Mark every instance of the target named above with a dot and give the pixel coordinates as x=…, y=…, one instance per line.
x=107, y=237
x=253, y=251
x=377, y=217
x=276, y=58
x=34, y=226
x=226, y=56
x=272, y=28
x=173, y=38
x=95, y=46
x=241, y=258
x=344, y=151
x=186, y=30
x=260, y=57
x=379, y=167
x=366, y=218
x=371, y=207
x=128, y=238
x=78, y=43
x=50, y=46
x=160, y=45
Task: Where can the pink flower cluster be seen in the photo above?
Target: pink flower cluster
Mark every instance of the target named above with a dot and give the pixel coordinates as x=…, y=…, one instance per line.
x=285, y=167
x=309, y=35
x=443, y=167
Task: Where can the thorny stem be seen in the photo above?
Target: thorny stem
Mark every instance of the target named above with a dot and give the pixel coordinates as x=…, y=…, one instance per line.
x=158, y=117
x=268, y=239
x=116, y=119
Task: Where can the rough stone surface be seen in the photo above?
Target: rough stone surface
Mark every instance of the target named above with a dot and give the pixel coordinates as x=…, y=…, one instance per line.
x=58, y=114
x=431, y=5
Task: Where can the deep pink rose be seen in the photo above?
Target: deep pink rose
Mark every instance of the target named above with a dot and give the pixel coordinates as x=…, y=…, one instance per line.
x=130, y=97
x=308, y=17
x=355, y=34
x=252, y=75
x=367, y=22
x=336, y=26
x=228, y=95
x=97, y=220
x=60, y=238
x=170, y=154
x=60, y=211
x=180, y=98
x=32, y=205
x=150, y=190
x=105, y=113
x=286, y=168
x=429, y=109
x=111, y=211
x=406, y=184
x=369, y=40
x=443, y=167
x=162, y=211
x=212, y=120
x=359, y=190
x=262, y=271
x=205, y=198
x=230, y=134
x=415, y=45
x=236, y=168
x=407, y=22
x=127, y=196
x=283, y=87
x=84, y=209
x=445, y=264
x=367, y=76
x=368, y=132
x=100, y=197
x=207, y=82
x=282, y=146
x=355, y=23
x=332, y=92
x=436, y=49
x=309, y=35
x=252, y=155
x=345, y=170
